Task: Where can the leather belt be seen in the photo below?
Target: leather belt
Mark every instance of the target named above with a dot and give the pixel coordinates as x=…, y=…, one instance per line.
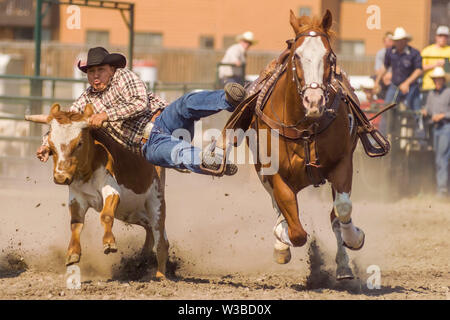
x=146, y=133
x=149, y=126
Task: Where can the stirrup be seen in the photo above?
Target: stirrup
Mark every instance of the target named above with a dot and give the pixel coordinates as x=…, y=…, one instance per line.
x=214, y=162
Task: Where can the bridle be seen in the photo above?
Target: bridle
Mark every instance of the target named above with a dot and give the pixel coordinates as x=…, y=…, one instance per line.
x=313, y=85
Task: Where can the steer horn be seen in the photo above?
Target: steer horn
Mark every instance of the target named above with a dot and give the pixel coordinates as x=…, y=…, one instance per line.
x=39, y=118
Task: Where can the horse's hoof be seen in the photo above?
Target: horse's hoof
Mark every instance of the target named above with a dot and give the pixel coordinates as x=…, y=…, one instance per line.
x=160, y=276
x=73, y=258
x=344, y=273
x=282, y=256
x=109, y=248
x=361, y=243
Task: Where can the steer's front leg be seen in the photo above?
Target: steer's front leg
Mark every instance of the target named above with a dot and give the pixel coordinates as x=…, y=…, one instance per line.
x=111, y=200
x=77, y=208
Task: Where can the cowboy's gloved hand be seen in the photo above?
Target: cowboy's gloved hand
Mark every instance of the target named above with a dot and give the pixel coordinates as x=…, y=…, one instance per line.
x=96, y=120
x=43, y=153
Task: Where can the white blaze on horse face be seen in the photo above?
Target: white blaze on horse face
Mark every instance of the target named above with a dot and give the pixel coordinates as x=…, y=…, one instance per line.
x=61, y=135
x=311, y=54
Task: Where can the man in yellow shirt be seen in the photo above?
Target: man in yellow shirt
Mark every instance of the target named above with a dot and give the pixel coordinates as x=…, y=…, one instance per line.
x=435, y=55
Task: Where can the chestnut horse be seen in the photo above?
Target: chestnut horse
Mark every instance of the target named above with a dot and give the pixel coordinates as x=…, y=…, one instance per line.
x=312, y=148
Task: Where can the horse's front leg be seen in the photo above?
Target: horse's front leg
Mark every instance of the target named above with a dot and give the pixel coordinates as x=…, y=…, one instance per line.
x=288, y=230
x=347, y=235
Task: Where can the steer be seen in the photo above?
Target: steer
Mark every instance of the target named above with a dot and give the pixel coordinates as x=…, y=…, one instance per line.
x=103, y=175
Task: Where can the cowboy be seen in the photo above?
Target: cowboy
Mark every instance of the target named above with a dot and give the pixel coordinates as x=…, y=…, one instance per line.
x=142, y=122
x=236, y=55
x=438, y=109
x=406, y=64
x=434, y=56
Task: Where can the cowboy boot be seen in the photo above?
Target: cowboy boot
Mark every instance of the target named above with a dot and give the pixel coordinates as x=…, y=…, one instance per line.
x=234, y=93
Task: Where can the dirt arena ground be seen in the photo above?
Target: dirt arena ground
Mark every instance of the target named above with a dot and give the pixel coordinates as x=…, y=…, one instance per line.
x=220, y=231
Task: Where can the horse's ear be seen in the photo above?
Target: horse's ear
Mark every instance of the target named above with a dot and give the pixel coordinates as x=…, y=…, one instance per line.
x=294, y=22
x=55, y=108
x=88, y=110
x=327, y=20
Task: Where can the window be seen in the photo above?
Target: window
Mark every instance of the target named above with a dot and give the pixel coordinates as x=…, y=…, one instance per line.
x=304, y=11
x=206, y=42
x=148, y=39
x=23, y=33
x=97, y=38
x=228, y=41
x=46, y=34
x=357, y=47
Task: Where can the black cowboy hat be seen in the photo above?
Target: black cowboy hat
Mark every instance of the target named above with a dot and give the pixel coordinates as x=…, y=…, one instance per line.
x=99, y=55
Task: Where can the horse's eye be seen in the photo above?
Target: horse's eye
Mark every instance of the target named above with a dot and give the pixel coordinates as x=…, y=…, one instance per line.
x=80, y=144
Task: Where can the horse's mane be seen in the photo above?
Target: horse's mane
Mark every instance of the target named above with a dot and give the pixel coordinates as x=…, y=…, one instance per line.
x=307, y=23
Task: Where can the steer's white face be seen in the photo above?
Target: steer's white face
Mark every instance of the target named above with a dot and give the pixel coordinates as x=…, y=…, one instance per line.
x=67, y=141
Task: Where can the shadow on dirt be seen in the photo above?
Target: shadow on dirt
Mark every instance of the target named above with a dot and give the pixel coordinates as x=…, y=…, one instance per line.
x=137, y=267
x=12, y=264
x=320, y=278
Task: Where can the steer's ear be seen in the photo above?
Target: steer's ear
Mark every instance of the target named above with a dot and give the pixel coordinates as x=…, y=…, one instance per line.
x=55, y=108
x=88, y=110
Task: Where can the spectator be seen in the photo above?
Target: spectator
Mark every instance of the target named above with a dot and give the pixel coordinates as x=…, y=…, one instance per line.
x=237, y=56
x=372, y=102
x=434, y=56
x=379, y=62
x=438, y=109
x=406, y=63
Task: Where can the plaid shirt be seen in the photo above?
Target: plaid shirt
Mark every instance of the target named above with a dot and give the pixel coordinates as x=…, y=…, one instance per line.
x=128, y=106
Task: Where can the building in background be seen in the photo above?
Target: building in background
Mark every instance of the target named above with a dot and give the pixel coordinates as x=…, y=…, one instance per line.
x=17, y=19
x=186, y=38
x=213, y=24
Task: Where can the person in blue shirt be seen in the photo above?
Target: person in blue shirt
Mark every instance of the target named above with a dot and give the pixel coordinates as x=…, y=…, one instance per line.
x=406, y=64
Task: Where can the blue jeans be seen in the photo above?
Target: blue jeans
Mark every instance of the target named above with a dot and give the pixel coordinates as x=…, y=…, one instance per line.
x=442, y=152
x=411, y=99
x=164, y=147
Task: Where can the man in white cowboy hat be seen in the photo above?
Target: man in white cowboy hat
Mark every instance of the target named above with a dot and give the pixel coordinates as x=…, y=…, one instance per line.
x=406, y=64
x=438, y=109
x=435, y=55
x=142, y=122
x=236, y=55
